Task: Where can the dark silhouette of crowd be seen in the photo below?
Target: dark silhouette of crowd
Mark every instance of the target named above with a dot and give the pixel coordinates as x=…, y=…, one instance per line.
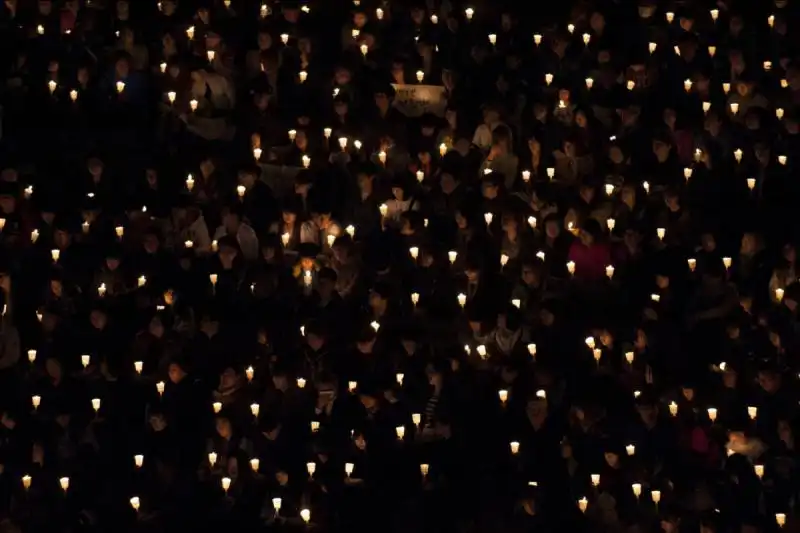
x=439, y=266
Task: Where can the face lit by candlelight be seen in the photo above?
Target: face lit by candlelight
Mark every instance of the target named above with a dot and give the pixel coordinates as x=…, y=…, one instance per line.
x=360, y=442
x=359, y=20
x=176, y=372
x=98, y=319
x=342, y=76
x=612, y=459
x=223, y=427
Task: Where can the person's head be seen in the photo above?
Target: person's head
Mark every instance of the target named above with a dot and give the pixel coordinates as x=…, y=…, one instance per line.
x=752, y=120
x=326, y=282
x=490, y=186
x=708, y=242
x=399, y=191
x=365, y=341
x=303, y=183
x=98, y=319
x=53, y=368
x=322, y=217
x=56, y=287
x=156, y=327
x=789, y=253
x=447, y=182
x=501, y=139
x=261, y=100
x=228, y=379
x=232, y=220
x=472, y=271
x=662, y=150
x=368, y=400
x=530, y=273
x=749, y=244
x=612, y=458
x=342, y=76
x=223, y=427
x=491, y=115
x=151, y=242
x=597, y=22
x=157, y=420
x=435, y=376
x=461, y=219
x=122, y=68
x=8, y=203
x=249, y=175
x=744, y=88
x=672, y=199
x=264, y=40
x=359, y=19
x=552, y=226
x=289, y=214
x=358, y=439
x=379, y=297
x=176, y=372
x=365, y=181
x=315, y=337
x=769, y=380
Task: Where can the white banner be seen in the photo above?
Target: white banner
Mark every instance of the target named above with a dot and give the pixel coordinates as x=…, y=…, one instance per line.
x=414, y=100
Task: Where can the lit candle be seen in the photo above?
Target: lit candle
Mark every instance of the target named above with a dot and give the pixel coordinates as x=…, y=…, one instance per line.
x=503, y=395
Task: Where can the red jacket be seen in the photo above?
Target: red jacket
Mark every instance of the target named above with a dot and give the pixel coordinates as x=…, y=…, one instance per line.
x=590, y=261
